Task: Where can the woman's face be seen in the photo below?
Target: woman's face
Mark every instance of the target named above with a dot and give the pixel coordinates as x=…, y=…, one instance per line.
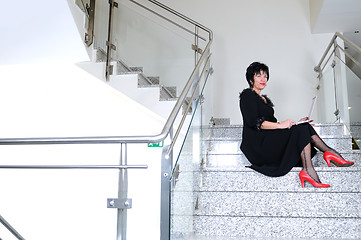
x=259, y=81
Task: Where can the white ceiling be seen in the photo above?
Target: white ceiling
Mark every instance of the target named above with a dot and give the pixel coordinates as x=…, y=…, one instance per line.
x=335, y=16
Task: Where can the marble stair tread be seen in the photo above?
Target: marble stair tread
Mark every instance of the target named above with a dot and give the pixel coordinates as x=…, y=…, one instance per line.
x=235, y=131
x=167, y=93
x=237, y=162
x=148, y=81
x=272, y=204
x=202, y=237
x=251, y=181
x=233, y=146
x=265, y=227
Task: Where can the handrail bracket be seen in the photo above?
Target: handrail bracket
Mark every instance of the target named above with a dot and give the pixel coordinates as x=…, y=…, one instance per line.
x=125, y=203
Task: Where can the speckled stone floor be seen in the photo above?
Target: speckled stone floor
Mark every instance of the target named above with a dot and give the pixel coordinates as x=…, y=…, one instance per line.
x=249, y=238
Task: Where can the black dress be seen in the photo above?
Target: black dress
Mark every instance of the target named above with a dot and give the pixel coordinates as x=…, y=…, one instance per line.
x=271, y=152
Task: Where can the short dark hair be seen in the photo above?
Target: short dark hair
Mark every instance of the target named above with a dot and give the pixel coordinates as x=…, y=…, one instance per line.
x=255, y=68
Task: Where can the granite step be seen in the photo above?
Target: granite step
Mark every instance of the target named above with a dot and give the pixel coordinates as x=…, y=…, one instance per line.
x=235, y=131
x=279, y=204
x=341, y=180
x=342, y=143
x=277, y=227
x=234, y=162
x=201, y=237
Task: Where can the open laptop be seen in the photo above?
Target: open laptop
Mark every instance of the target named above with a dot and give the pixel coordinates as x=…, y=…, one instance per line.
x=314, y=99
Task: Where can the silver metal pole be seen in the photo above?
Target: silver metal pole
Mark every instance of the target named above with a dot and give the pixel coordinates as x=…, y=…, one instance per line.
x=122, y=195
x=110, y=46
x=11, y=229
x=165, y=198
x=74, y=166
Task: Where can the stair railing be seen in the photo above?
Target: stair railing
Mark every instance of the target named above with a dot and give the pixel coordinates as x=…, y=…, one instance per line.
x=333, y=43
x=123, y=203
x=339, y=85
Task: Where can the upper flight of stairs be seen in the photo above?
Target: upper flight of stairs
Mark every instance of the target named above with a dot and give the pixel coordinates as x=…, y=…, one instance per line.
x=222, y=198
x=131, y=81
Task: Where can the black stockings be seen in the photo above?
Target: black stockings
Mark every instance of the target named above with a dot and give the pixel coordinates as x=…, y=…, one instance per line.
x=306, y=155
x=322, y=146
x=307, y=163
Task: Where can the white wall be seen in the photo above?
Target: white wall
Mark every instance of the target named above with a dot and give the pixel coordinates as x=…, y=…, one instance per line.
x=43, y=101
x=274, y=32
x=36, y=31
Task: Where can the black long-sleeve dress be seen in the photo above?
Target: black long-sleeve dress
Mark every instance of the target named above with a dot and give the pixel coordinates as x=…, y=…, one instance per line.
x=271, y=152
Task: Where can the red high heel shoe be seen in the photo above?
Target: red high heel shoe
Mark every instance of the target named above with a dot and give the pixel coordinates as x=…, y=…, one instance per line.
x=339, y=162
x=305, y=177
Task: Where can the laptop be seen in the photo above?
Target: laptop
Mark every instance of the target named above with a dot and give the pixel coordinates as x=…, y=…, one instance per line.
x=314, y=99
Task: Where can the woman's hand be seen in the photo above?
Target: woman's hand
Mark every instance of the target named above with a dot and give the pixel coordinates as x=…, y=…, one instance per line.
x=287, y=124
x=303, y=119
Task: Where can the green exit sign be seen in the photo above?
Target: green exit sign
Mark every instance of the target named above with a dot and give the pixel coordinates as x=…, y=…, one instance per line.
x=160, y=144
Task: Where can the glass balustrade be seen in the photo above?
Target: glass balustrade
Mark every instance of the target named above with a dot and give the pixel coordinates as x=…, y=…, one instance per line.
x=350, y=100
x=339, y=99
x=163, y=53
x=83, y=4
x=326, y=103
x=187, y=171
x=144, y=42
x=340, y=86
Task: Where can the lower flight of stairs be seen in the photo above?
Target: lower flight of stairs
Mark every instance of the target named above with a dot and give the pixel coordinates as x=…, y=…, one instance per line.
x=215, y=195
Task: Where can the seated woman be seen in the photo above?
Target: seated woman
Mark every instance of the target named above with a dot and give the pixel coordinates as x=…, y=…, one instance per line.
x=274, y=148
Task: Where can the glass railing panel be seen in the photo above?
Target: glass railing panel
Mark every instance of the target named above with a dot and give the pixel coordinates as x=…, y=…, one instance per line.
x=186, y=177
x=83, y=4
x=351, y=114
x=157, y=47
x=101, y=28
x=326, y=102
x=341, y=91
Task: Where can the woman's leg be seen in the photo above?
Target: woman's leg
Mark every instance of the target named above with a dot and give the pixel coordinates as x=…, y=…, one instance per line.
x=322, y=146
x=307, y=163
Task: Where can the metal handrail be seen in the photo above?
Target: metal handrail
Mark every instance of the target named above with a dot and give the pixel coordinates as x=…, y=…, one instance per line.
x=178, y=14
x=349, y=56
x=332, y=42
x=10, y=228
x=184, y=116
x=75, y=166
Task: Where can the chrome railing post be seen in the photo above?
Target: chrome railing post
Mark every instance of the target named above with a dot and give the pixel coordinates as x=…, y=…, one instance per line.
x=89, y=35
x=165, y=198
x=123, y=195
x=110, y=45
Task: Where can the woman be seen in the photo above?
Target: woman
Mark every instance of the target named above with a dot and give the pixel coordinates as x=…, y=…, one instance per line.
x=274, y=148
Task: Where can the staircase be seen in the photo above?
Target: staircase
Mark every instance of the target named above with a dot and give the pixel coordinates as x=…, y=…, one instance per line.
x=131, y=81
x=222, y=199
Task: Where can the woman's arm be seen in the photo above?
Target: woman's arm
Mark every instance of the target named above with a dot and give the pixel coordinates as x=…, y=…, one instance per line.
x=273, y=125
x=249, y=109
